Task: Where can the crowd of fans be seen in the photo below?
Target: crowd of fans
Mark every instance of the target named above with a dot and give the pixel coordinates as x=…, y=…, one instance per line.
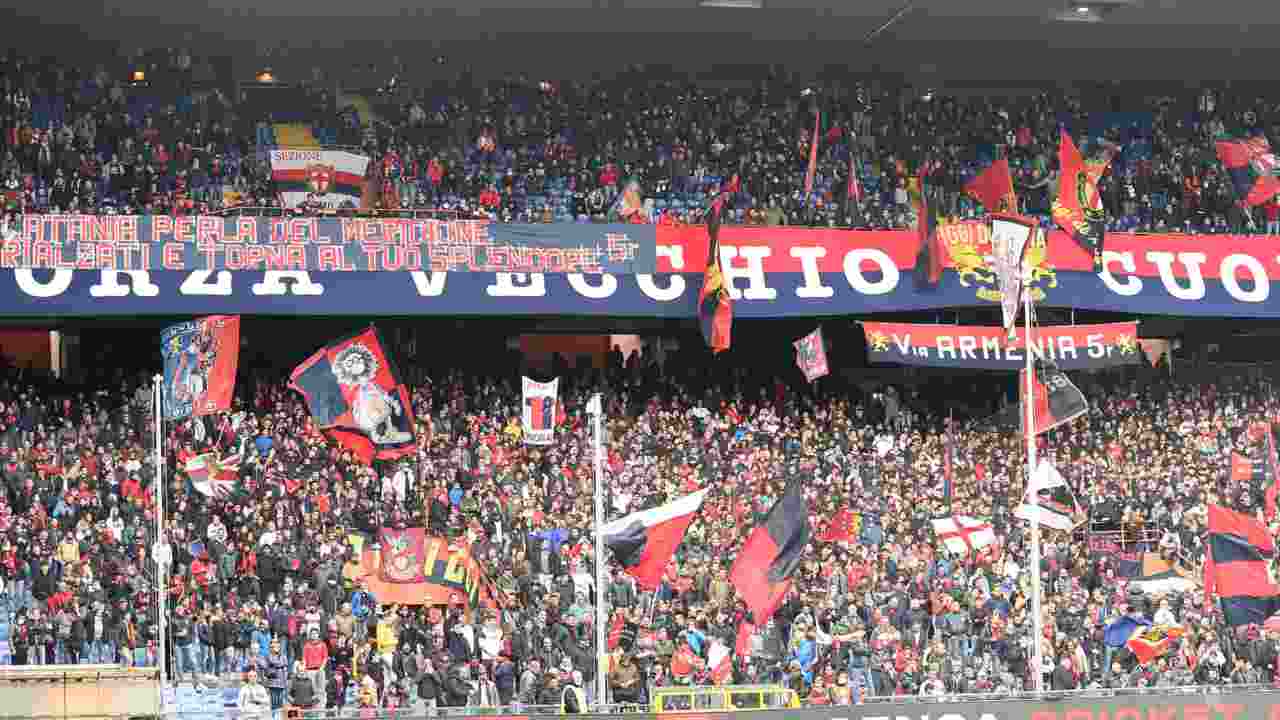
x=262, y=579
x=75, y=140
x=266, y=581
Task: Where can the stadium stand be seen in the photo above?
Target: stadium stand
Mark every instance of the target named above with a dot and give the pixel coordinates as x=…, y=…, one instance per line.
x=268, y=577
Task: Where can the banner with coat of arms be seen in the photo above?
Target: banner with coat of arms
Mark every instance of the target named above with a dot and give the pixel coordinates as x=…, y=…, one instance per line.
x=333, y=178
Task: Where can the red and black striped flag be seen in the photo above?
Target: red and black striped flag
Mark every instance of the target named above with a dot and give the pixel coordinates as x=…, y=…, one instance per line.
x=1235, y=567
x=762, y=572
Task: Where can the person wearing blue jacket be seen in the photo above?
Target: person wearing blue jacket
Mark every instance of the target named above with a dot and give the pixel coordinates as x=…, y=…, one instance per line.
x=260, y=642
x=277, y=675
x=364, y=606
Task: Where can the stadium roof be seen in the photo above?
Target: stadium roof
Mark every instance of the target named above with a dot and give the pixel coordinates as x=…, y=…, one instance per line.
x=995, y=43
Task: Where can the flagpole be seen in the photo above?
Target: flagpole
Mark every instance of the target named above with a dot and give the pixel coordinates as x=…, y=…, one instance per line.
x=160, y=551
x=595, y=408
x=1028, y=424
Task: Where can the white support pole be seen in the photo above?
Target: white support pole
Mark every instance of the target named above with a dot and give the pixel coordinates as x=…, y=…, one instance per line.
x=596, y=409
x=160, y=551
x=1028, y=424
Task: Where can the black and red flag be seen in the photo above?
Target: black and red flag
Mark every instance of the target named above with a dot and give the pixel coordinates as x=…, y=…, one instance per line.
x=715, y=307
x=1055, y=400
x=1238, y=548
x=762, y=572
x=930, y=259
x=1078, y=208
x=354, y=393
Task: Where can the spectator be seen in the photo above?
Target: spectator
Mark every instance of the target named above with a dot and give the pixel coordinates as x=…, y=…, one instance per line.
x=253, y=701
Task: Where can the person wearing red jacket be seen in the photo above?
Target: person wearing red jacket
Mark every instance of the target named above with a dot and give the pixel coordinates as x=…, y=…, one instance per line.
x=315, y=658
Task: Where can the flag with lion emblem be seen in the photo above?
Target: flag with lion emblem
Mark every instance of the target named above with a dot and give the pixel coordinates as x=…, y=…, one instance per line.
x=334, y=178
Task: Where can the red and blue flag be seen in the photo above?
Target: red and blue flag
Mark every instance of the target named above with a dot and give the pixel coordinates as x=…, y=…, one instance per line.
x=355, y=395
x=1252, y=167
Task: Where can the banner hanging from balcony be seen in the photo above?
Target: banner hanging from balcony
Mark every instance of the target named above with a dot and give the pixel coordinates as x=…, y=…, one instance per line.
x=1071, y=347
x=627, y=270
x=329, y=178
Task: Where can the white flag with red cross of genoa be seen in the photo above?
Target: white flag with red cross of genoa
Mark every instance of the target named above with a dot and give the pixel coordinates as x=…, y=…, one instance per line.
x=962, y=534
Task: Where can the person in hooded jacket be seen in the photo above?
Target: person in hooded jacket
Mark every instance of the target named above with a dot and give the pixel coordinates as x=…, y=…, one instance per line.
x=302, y=692
x=430, y=686
x=277, y=674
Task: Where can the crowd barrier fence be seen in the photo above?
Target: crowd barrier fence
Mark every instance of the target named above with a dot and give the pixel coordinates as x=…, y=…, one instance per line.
x=1237, y=702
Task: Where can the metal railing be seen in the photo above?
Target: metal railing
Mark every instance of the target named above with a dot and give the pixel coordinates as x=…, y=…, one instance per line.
x=1055, y=695
x=264, y=211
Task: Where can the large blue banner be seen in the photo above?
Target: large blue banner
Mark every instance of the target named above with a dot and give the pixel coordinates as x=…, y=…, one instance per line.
x=771, y=272
x=131, y=242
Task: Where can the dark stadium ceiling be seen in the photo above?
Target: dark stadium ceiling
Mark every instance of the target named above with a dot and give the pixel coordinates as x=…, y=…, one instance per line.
x=996, y=43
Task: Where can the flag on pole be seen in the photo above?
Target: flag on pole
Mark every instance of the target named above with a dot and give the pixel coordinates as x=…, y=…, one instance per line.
x=963, y=535
x=1078, y=208
x=719, y=662
x=201, y=358
x=948, y=465
x=1271, y=475
x=855, y=184
x=1049, y=500
x=644, y=542
x=762, y=571
x=1252, y=167
x=993, y=187
x=1235, y=568
x=1010, y=236
x=212, y=476
x=354, y=393
x=1055, y=400
x=812, y=172
x=811, y=355
x=715, y=306
x=929, y=255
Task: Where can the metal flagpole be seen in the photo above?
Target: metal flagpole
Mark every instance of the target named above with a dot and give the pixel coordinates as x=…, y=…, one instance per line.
x=1028, y=423
x=595, y=408
x=160, y=551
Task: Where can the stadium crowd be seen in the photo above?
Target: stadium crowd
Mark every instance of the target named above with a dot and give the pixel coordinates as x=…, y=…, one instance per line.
x=85, y=141
x=262, y=579
x=265, y=578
